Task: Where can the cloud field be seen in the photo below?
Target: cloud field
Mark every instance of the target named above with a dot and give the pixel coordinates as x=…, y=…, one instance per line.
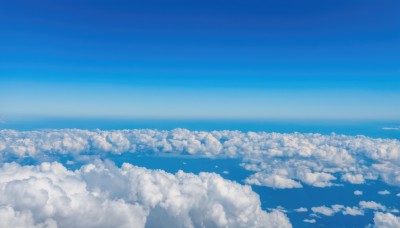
x=99, y=194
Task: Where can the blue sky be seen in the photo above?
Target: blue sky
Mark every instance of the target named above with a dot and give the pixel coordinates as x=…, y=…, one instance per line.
x=200, y=59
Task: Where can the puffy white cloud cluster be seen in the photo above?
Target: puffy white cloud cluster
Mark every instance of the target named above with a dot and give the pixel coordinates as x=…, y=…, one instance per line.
x=386, y=220
x=103, y=195
x=279, y=160
x=346, y=210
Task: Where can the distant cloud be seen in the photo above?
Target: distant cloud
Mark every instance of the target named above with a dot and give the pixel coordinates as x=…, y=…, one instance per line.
x=309, y=220
x=384, y=192
x=386, y=220
x=346, y=210
x=391, y=128
x=324, y=210
x=301, y=209
x=277, y=160
x=371, y=205
x=358, y=192
x=354, y=211
x=103, y=195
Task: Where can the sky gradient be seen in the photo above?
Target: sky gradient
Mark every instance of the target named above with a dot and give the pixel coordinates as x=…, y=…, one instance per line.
x=200, y=59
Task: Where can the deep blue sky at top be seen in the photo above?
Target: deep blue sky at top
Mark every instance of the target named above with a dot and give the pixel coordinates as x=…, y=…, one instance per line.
x=201, y=59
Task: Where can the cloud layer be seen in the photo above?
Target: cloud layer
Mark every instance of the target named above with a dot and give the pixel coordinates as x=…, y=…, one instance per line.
x=103, y=195
x=278, y=160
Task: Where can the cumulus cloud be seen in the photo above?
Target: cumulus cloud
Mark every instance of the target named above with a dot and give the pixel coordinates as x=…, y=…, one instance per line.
x=103, y=195
x=346, y=210
x=384, y=192
x=358, y=192
x=324, y=210
x=309, y=220
x=278, y=160
x=386, y=220
x=354, y=211
x=301, y=209
x=372, y=205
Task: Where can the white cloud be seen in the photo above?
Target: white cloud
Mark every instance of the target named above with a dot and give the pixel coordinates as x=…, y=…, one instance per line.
x=274, y=181
x=346, y=210
x=354, y=211
x=384, y=192
x=371, y=205
x=324, y=210
x=301, y=209
x=386, y=220
x=279, y=160
x=358, y=192
x=354, y=179
x=103, y=195
x=309, y=220
x=391, y=128
x=398, y=194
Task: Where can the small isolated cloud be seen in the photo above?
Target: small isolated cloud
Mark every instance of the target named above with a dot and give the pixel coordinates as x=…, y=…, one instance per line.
x=309, y=220
x=398, y=194
x=386, y=220
x=384, y=192
x=372, y=205
x=301, y=209
x=358, y=192
x=391, y=128
x=324, y=210
x=103, y=195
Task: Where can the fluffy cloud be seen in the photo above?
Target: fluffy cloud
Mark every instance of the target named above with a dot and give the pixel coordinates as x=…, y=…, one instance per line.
x=301, y=209
x=309, y=220
x=278, y=160
x=358, y=192
x=372, y=205
x=353, y=211
x=384, y=192
x=324, y=210
x=103, y=195
x=386, y=220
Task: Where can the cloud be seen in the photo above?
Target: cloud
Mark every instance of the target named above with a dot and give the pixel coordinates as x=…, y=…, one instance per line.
x=278, y=160
x=354, y=179
x=324, y=210
x=358, y=192
x=371, y=205
x=103, y=195
x=391, y=128
x=384, y=192
x=346, y=210
x=274, y=181
x=301, y=209
x=386, y=220
x=309, y=220
x=354, y=211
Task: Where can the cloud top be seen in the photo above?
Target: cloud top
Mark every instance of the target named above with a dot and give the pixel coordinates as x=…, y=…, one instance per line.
x=278, y=160
x=103, y=195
